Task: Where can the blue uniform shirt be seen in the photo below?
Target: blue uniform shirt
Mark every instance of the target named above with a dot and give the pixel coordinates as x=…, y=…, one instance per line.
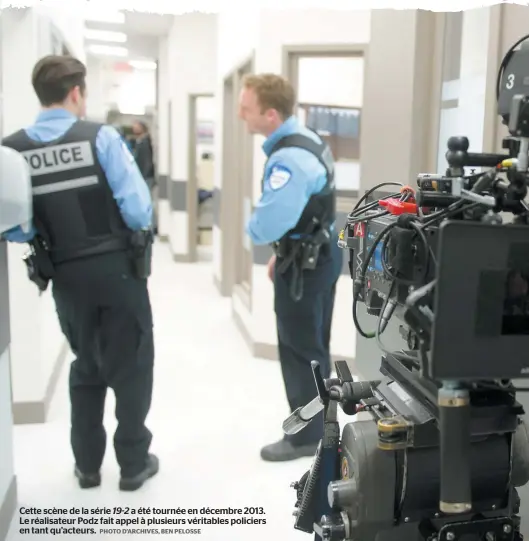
x=291, y=177
x=124, y=178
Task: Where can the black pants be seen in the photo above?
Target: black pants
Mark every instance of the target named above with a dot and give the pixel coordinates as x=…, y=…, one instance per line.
x=304, y=334
x=105, y=314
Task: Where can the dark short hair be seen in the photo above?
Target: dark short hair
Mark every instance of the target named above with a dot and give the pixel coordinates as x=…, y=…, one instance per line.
x=142, y=125
x=273, y=92
x=54, y=77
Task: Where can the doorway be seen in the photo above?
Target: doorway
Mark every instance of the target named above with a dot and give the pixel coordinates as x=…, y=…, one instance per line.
x=237, y=192
x=329, y=84
x=201, y=142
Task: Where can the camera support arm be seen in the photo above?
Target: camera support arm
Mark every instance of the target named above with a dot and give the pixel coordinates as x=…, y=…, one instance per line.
x=314, y=504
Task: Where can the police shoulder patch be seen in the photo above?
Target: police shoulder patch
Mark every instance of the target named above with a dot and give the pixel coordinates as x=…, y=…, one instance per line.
x=279, y=176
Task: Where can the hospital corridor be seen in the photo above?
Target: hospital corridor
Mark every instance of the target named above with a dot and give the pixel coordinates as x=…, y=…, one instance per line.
x=228, y=220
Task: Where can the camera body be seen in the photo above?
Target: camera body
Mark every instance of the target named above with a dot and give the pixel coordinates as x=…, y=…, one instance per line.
x=441, y=447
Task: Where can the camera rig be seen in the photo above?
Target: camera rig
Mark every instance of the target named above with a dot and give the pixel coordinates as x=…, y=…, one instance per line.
x=443, y=447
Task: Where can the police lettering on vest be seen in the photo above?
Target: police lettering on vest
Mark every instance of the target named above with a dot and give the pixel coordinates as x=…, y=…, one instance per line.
x=58, y=158
x=73, y=205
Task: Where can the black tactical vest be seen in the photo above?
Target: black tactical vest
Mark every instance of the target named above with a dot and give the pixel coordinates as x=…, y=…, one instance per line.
x=322, y=205
x=73, y=206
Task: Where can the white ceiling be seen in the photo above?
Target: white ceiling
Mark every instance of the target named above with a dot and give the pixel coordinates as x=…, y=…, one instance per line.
x=148, y=24
x=143, y=32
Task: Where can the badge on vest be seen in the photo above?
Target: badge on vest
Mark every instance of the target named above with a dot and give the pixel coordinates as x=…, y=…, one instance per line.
x=279, y=176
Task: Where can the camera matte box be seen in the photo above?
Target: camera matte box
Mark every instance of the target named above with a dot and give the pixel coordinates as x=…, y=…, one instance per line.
x=472, y=336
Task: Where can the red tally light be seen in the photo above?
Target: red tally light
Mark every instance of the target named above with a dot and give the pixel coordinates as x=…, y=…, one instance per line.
x=396, y=207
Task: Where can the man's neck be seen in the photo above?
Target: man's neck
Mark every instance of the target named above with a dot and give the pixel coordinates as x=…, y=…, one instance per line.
x=61, y=106
x=273, y=129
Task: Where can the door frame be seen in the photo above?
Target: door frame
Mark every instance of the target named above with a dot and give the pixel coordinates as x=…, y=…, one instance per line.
x=229, y=211
x=290, y=70
x=228, y=192
x=244, y=289
x=192, y=184
x=168, y=181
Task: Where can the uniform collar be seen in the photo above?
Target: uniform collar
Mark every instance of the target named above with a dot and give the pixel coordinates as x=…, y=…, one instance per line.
x=55, y=114
x=288, y=127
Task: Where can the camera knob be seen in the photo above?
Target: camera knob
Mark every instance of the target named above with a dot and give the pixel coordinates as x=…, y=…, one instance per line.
x=342, y=493
x=456, y=158
x=332, y=528
x=458, y=143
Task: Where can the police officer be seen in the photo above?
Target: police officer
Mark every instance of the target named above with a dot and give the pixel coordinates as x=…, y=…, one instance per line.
x=296, y=214
x=88, y=199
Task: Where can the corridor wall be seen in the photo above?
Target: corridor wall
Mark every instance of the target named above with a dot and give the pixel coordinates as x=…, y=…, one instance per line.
x=164, y=125
x=191, y=65
x=37, y=344
x=8, y=486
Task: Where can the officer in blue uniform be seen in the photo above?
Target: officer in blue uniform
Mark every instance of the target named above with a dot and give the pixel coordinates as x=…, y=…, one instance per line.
x=89, y=203
x=295, y=214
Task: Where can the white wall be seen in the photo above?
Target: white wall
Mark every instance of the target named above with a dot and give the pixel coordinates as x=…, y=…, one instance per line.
x=192, y=51
x=69, y=23
x=331, y=81
x=36, y=339
x=276, y=28
x=164, y=123
x=98, y=87
x=235, y=44
x=6, y=423
x=469, y=89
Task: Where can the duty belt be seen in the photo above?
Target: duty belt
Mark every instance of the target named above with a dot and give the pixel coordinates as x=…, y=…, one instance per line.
x=302, y=254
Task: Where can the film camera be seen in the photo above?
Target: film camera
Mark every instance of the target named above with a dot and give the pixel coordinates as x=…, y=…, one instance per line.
x=441, y=447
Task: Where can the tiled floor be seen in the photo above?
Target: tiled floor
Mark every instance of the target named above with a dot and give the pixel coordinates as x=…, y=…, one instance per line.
x=214, y=407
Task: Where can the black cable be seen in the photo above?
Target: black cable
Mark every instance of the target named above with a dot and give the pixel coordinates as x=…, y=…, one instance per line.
x=426, y=263
x=358, y=211
x=455, y=208
x=427, y=249
x=369, y=192
x=358, y=219
x=387, y=270
x=399, y=355
x=360, y=281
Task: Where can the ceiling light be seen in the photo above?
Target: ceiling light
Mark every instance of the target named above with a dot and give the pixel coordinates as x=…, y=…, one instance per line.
x=108, y=50
x=130, y=108
x=102, y=15
x=143, y=64
x=105, y=35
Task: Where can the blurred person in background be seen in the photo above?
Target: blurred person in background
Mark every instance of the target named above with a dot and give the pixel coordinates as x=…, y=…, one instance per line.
x=143, y=151
x=144, y=156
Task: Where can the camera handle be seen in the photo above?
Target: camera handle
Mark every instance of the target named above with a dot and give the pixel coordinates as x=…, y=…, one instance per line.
x=342, y=390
